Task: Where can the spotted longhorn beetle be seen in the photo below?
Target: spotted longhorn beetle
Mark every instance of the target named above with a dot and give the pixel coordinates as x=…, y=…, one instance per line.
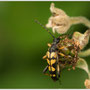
x=52, y=57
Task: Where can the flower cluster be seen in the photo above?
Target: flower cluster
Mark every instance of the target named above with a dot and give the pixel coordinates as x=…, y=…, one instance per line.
x=60, y=22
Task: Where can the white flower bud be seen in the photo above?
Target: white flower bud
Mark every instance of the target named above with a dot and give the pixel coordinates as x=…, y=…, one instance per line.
x=59, y=21
x=82, y=39
x=87, y=83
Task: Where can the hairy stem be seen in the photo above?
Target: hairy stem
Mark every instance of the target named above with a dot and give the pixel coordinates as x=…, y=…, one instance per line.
x=84, y=53
x=80, y=19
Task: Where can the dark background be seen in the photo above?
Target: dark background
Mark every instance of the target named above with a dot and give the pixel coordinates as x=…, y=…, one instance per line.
x=23, y=43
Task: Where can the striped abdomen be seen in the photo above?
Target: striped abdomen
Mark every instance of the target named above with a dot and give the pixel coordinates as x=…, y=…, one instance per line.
x=52, y=64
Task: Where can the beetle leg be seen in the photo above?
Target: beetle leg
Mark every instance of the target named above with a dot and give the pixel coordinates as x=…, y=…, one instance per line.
x=61, y=54
x=49, y=45
x=45, y=69
x=47, y=74
x=62, y=47
x=44, y=57
x=58, y=68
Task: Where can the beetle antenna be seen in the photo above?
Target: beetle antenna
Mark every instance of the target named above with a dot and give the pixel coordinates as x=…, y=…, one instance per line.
x=45, y=28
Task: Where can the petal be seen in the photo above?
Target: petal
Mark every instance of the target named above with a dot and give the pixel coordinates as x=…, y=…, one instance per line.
x=82, y=64
x=53, y=29
x=49, y=24
x=56, y=11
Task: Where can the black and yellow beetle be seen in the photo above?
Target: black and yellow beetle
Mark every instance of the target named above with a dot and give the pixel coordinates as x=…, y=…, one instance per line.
x=52, y=58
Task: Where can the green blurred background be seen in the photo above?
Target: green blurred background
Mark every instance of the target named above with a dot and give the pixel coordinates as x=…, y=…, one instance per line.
x=23, y=43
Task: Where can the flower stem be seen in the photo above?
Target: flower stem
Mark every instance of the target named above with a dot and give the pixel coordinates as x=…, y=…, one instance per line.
x=84, y=53
x=80, y=19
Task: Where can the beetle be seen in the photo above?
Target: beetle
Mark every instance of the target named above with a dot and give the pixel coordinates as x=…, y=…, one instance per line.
x=52, y=57
x=53, y=60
